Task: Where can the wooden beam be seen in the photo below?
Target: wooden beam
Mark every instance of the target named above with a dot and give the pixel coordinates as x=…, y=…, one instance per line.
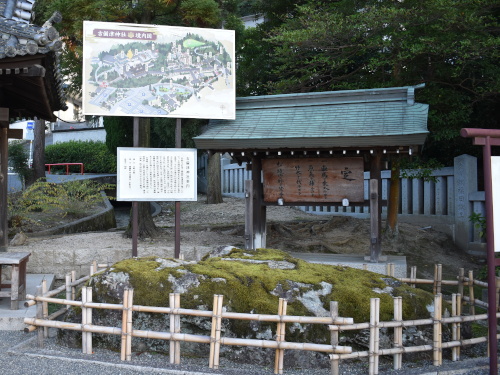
x=4, y=143
x=259, y=209
x=15, y=133
x=4, y=117
x=375, y=207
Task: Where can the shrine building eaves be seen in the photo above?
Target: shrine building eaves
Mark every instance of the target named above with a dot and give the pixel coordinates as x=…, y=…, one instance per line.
x=30, y=78
x=386, y=118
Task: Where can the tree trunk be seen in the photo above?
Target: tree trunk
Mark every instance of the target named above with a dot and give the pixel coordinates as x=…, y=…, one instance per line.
x=214, y=191
x=147, y=227
x=392, y=229
x=38, y=167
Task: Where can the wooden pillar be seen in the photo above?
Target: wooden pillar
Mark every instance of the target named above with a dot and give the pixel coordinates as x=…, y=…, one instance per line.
x=258, y=207
x=376, y=208
x=4, y=154
x=249, y=215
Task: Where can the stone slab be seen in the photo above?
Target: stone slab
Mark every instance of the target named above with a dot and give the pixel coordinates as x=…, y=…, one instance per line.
x=13, y=320
x=357, y=261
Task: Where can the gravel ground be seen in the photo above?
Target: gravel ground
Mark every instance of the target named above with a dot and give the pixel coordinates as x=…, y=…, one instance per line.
x=20, y=354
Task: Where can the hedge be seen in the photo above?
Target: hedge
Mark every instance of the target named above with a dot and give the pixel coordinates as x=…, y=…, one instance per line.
x=95, y=156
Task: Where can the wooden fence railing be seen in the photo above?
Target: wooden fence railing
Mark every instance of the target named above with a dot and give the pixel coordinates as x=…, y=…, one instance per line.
x=333, y=323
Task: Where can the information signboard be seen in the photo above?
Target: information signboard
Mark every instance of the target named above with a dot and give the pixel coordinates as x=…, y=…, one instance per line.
x=158, y=71
x=313, y=180
x=154, y=174
x=495, y=188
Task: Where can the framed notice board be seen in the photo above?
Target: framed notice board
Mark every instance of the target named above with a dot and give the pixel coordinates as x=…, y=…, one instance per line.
x=154, y=174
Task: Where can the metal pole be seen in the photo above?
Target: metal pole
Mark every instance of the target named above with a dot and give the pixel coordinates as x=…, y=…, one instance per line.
x=135, y=204
x=492, y=298
x=177, y=249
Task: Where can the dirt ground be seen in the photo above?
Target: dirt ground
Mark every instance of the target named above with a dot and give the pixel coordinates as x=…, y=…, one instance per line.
x=205, y=226
x=291, y=229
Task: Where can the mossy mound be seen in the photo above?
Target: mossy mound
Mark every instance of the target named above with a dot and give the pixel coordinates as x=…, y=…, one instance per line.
x=252, y=282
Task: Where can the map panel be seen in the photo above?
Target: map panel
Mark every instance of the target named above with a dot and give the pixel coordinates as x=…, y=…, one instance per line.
x=158, y=71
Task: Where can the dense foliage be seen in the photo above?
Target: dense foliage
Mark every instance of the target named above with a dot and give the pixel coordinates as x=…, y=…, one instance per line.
x=43, y=204
x=95, y=156
x=451, y=46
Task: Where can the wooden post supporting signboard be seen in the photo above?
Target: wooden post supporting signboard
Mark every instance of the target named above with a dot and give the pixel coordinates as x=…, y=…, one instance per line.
x=249, y=215
x=375, y=207
x=258, y=207
x=4, y=128
x=135, y=204
x=177, y=251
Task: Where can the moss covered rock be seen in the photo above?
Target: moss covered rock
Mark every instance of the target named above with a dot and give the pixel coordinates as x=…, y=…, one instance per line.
x=251, y=282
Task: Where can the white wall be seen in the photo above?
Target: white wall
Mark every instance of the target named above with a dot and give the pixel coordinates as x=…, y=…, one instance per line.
x=93, y=134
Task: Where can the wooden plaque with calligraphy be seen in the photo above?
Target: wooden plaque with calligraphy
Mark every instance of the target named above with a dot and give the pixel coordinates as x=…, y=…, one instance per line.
x=313, y=179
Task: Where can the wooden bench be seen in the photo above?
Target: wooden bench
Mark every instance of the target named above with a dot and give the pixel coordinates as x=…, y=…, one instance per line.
x=17, y=285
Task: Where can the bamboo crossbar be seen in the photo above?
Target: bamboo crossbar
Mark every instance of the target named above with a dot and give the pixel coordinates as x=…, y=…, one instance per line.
x=426, y=281
x=199, y=313
x=185, y=337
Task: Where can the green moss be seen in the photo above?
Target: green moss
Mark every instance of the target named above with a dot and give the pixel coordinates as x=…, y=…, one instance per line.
x=246, y=285
x=149, y=280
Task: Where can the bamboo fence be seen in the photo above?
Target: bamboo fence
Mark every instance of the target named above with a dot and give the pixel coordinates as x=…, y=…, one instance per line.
x=333, y=323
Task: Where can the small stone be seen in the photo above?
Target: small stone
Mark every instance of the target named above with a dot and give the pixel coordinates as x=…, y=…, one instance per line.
x=19, y=239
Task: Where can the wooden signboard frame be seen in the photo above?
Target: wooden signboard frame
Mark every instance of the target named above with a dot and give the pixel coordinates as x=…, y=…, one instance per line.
x=321, y=180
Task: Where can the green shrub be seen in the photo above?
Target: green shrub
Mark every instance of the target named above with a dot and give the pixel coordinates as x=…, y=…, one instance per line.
x=95, y=156
x=73, y=198
x=18, y=160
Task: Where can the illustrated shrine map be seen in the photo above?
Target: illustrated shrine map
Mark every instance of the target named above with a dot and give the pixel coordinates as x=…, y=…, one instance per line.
x=158, y=71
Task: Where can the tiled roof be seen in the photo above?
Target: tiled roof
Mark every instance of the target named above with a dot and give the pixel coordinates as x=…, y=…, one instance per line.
x=29, y=61
x=335, y=119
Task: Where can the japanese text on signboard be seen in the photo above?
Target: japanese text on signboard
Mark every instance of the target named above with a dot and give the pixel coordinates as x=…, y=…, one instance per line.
x=313, y=180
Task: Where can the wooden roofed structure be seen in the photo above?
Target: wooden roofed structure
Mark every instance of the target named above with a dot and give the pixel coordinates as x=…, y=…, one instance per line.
x=312, y=148
x=31, y=84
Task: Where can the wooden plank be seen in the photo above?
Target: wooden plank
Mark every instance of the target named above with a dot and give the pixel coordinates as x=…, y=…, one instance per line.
x=15, y=133
x=13, y=258
x=313, y=179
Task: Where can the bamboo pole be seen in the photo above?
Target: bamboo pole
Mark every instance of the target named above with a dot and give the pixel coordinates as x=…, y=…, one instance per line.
x=45, y=308
x=89, y=321
x=177, y=300
x=437, y=332
x=86, y=320
x=438, y=278
x=374, y=335
x=68, y=287
x=218, y=331
x=130, y=303
x=398, y=332
x=174, y=301
x=334, y=337
x=390, y=269
x=39, y=315
x=73, y=289
x=280, y=337
x=413, y=275
x=471, y=293
x=461, y=278
x=456, y=327
x=215, y=334
x=171, y=300
x=126, y=331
